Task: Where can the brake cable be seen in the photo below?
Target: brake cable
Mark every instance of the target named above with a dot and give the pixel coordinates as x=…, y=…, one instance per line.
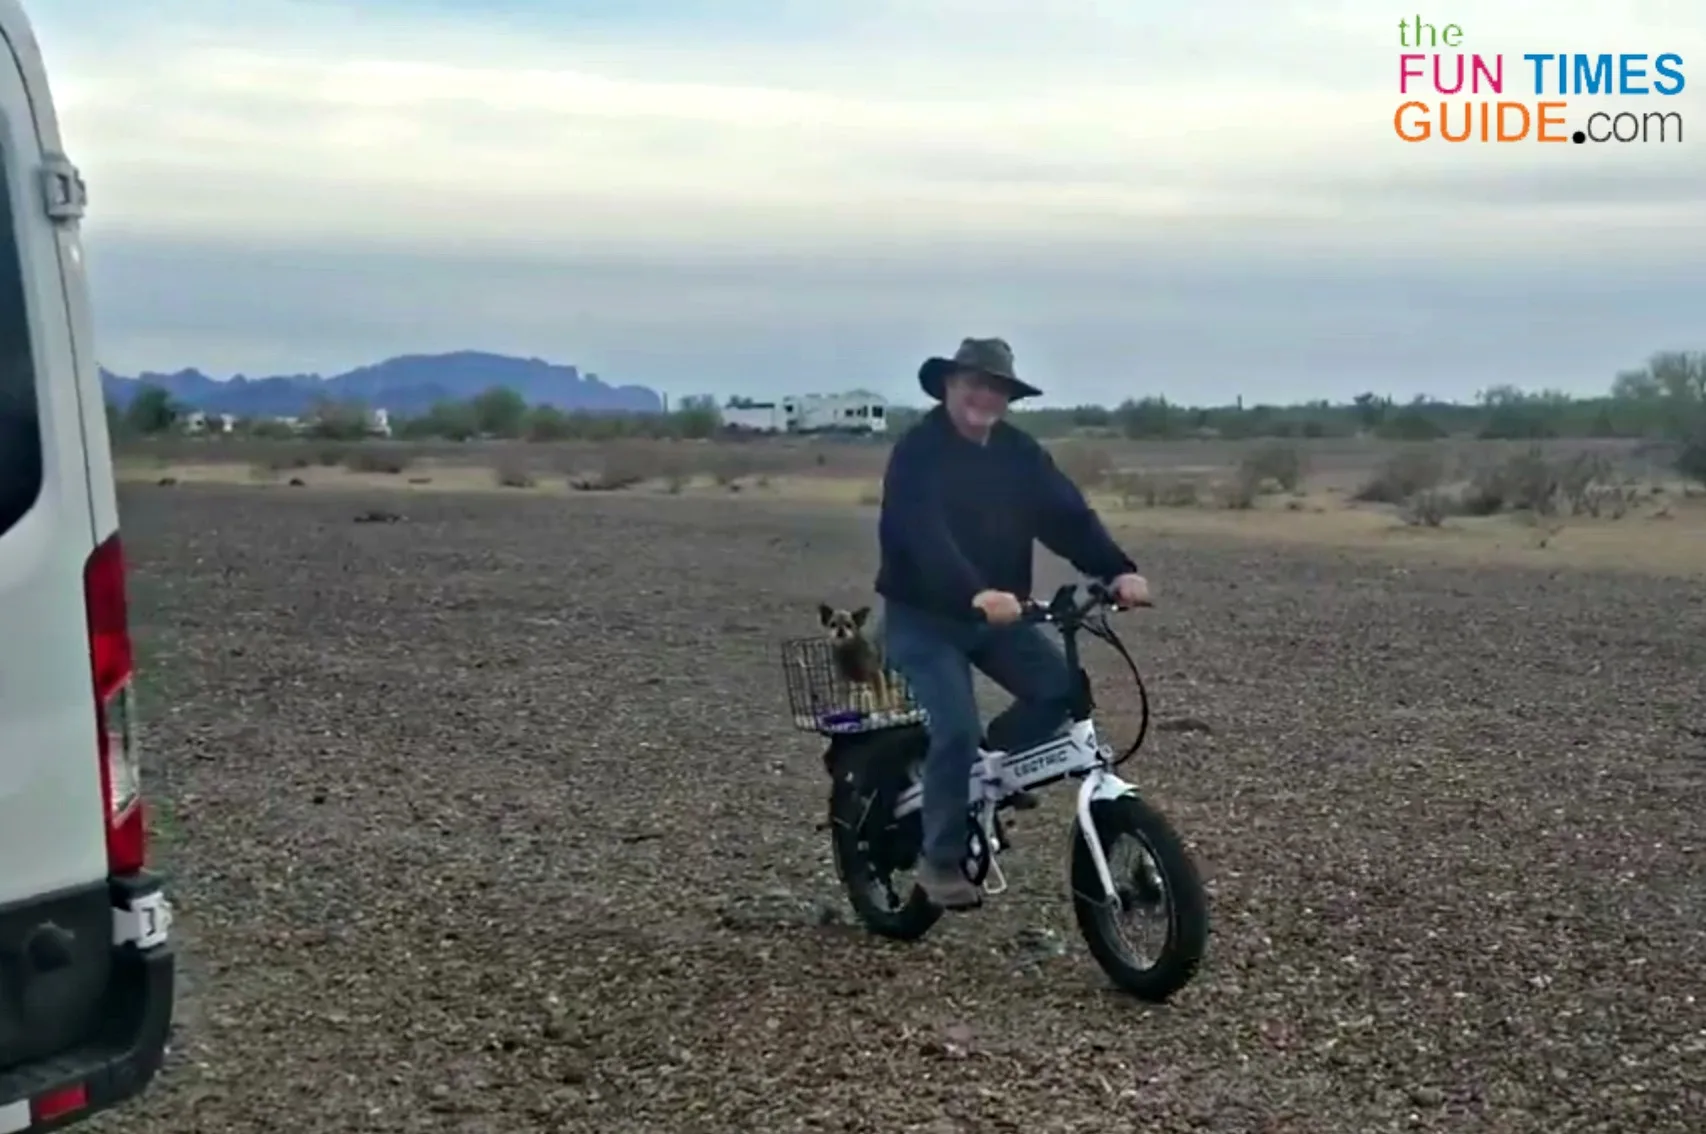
x=1103, y=629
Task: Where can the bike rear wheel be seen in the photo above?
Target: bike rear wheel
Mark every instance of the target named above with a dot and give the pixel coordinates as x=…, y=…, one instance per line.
x=1164, y=880
x=871, y=850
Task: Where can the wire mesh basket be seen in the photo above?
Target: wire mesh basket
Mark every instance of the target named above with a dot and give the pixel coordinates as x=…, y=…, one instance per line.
x=824, y=702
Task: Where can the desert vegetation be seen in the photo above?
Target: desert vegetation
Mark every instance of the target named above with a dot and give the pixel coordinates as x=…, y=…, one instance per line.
x=1538, y=454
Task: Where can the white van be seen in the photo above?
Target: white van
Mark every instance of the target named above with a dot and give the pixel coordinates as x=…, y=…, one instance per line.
x=86, y=967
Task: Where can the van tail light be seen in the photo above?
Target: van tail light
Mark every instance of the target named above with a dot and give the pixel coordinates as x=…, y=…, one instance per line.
x=113, y=665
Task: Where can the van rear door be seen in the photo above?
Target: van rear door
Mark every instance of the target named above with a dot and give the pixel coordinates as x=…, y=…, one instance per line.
x=52, y=816
x=56, y=912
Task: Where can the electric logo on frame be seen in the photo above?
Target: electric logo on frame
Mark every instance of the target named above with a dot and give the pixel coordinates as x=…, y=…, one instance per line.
x=1455, y=106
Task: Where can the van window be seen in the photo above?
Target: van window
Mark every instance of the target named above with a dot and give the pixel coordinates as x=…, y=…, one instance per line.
x=20, y=420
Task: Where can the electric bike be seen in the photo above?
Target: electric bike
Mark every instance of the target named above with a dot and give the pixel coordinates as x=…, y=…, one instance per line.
x=875, y=760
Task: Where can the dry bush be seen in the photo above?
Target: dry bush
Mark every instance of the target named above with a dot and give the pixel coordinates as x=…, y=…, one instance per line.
x=514, y=474
x=1579, y=476
x=1427, y=508
x=1241, y=492
x=366, y=459
x=1158, y=491
x=621, y=466
x=1088, y=465
x=673, y=468
x=1279, y=462
x=1606, y=502
x=1525, y=482
x=1609, y=501
x=728, y=467
x=1690, y=462
x=1591, y=487
x=1403, y=475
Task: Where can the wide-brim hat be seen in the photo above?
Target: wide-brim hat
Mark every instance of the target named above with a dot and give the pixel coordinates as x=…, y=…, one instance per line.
x=992, y=358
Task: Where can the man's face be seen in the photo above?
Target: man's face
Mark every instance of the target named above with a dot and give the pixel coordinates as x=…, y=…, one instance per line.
x=975, y=401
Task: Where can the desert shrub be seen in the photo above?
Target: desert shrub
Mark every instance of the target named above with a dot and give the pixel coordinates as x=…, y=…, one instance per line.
x=1483, y=496
x=1608, y=501
x=269, y=430
x=1158, y=491
x=620, y=467
x=1239, y=494
x=672, y=466
x=514, y=474
x=375, y=460
x=1427, y=508
x=728, y=467
x=1087, y=465
x=1133, y=489
x=1691, y=456
x=1524, y=482
x=1178, y=492
x=1581, y=479
x=1279, y=462
x=1590, y=485
x=1402, y=475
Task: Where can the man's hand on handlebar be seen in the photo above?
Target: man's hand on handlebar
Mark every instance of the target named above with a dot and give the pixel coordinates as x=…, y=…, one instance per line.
x=1129, y=591
x=999, y=607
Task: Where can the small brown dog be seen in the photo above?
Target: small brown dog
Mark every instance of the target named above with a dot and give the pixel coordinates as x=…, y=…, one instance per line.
x=858, y=662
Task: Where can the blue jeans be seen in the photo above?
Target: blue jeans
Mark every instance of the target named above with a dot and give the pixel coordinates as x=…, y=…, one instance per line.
x=935, y=655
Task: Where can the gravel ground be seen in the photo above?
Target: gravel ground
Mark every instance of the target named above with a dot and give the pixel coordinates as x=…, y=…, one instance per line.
x=491, y=820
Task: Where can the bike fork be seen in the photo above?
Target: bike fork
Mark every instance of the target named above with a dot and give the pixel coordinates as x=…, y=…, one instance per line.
x=1088, y=791
x=994, y=881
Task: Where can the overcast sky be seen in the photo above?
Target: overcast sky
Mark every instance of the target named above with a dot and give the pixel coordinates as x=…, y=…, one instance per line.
x=751, y=196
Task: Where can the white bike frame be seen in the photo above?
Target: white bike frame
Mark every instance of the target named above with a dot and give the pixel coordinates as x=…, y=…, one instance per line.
x=1000, y=775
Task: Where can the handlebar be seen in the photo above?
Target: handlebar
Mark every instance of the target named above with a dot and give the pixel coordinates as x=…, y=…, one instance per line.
x=1069, y=614
x=1066, y=610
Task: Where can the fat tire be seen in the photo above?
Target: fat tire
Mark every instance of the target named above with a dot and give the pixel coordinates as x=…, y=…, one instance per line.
x=1187, y=926
x=916, y=915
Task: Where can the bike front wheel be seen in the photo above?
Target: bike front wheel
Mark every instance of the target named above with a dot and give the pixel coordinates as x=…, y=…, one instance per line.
x=1160, y=883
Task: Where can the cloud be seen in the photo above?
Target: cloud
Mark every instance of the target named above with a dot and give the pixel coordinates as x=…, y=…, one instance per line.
x=690, y=190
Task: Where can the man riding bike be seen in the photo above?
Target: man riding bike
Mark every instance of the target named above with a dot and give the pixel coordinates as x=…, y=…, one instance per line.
x=965, y=497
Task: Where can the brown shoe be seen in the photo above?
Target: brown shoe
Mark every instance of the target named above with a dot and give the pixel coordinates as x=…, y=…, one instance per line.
x=948, y=887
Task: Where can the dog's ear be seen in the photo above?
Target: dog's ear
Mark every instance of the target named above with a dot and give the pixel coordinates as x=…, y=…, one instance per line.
x=860, y=615
x=825, y=612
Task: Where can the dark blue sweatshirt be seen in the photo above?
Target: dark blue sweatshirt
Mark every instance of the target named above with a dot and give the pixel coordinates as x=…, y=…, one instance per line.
x=959, y=518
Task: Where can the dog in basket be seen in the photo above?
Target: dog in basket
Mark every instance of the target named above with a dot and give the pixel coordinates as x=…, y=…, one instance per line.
x=858, y=661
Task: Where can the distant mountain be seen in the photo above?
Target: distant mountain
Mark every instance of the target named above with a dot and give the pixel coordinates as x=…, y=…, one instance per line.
x=408, y=384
